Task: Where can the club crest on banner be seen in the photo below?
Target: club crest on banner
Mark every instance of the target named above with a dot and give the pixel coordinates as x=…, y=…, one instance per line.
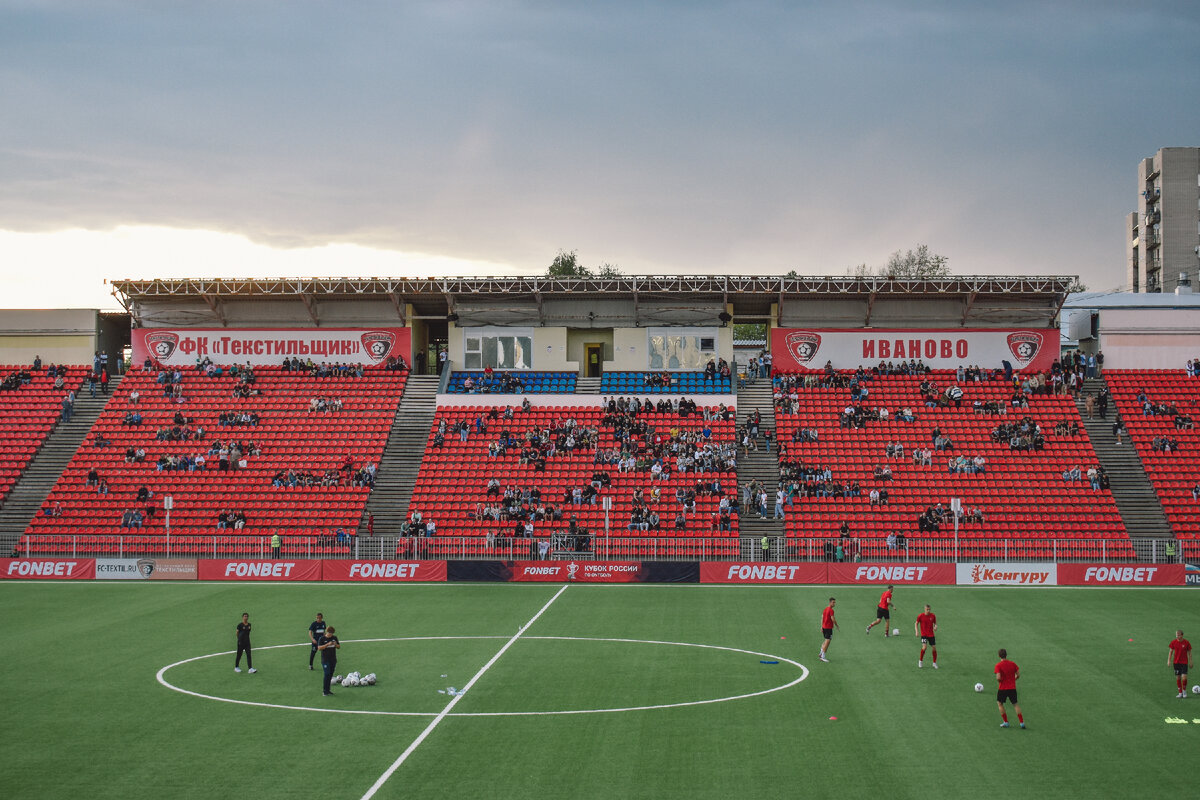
x=1024, y=345
x=803, y=345
x=145, y=566
x=162, y=344
x=378, y=344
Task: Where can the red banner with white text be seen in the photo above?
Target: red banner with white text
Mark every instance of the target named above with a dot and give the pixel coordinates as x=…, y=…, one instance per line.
x=926, y=574
x=801, y=350
x=218, y=569
x=182, y=347
x=58, y=569
x=762, y=572
x=1120, y=575
x=383, y=571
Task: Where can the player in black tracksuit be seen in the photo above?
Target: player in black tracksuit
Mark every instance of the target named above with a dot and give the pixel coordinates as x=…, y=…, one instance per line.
x=315, y=631
x=328, y=644
x=243, y=645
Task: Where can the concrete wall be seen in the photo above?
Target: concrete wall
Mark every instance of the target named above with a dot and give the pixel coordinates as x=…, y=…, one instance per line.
x=549, y=346
x=631, y=350
x=578, y=337
x=64, y=336
x=1149, y=338
x=562, y=349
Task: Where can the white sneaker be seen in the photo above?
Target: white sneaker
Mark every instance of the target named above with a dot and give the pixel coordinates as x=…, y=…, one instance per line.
x=935, y=665
x=920, y=664
x=237, y=669
x=252, y=670
x=1181, y=694
x=823, y=658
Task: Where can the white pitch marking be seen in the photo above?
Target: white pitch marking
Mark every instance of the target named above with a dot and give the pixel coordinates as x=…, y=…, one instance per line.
x=203, y=696
x=784, y=659
x=454, y=701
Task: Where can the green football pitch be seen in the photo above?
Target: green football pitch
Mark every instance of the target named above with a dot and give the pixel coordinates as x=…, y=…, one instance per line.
x=671, y=694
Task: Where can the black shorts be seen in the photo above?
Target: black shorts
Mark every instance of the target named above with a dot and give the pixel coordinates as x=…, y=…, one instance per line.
x=1181, y=669
x=929, y=640
x=1006, y=694
x=827, y=633
x=882, y=613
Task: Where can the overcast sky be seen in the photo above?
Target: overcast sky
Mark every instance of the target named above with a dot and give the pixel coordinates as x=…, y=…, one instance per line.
x=262, y=138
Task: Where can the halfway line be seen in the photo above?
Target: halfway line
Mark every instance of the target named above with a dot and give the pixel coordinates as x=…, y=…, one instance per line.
x=450, y=706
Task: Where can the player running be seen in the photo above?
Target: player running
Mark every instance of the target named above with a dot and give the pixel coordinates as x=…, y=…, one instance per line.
x=1006, y=677
x=926, y=627
x=884, y=613
x=828, y=623
x=1181, y=659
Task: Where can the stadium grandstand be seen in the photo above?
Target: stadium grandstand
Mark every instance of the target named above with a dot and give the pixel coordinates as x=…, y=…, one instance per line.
x=543, y=418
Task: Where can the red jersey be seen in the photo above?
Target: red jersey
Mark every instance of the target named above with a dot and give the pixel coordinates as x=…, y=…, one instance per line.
x=1180, y=648
x=1007, y=671
x=827, y=617
x=885, y=599
x=927, y=622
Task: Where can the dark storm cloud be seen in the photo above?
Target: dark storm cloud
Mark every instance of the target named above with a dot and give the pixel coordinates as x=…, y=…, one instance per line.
x=669, y=136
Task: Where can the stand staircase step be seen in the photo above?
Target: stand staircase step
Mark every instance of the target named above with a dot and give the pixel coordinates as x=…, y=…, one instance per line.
x=401, y=461
x=30, y=492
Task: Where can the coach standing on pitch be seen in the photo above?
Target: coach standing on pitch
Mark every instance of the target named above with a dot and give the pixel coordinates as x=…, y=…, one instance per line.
x=328, y=644
x=243, y=645
x=315, y=631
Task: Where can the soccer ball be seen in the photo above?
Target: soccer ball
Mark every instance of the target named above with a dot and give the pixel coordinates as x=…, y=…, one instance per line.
x=1196, y=689
x=370, y=679
x=895, y=631
x=979, y=687
x=337, y=679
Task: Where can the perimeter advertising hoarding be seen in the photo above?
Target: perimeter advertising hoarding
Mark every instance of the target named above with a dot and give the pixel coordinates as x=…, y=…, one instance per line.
x=383, y=571
x=805, y=349
x=578, y=571
x=1120, y=575
x=154, y=569
x=58, y=569
x=219, y=569
x=1192, y=575
x=762, y=572
x=182, y=347
x=926, y=574
x=820, y=573
x=1000, y=573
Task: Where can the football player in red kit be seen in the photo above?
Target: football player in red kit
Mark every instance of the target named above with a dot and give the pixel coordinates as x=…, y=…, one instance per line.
x=1180, y=658
x=1006, y=677
x=884, y=612
x=926, y=627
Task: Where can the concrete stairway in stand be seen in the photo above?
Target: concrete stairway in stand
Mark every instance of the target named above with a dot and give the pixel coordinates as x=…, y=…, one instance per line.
x=587, y=386
x=397, y=473
x=29, y=494
x=1136, y=499
x=761, y=466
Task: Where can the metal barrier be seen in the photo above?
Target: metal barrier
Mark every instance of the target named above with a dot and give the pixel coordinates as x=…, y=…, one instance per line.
x=607, y=548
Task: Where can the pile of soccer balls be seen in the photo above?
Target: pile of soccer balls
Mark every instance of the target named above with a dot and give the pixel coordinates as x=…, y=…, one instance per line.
x=355, y=679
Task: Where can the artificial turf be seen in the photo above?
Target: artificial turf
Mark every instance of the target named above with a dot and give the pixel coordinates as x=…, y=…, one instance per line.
x=85, y=715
